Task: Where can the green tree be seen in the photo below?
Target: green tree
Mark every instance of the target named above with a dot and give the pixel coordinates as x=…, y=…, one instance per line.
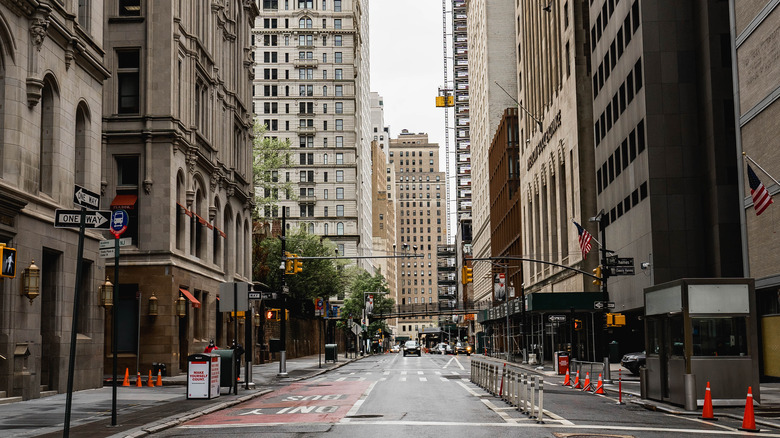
x=360, y=282
x=319, y=278
x=270, y=155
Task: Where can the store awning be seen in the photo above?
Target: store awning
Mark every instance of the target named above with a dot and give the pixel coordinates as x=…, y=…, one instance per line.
x=189, y=296
x=124, y=202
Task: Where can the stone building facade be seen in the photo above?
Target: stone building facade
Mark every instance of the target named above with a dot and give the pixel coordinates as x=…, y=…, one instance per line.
x=177, y=138
x=51, y=56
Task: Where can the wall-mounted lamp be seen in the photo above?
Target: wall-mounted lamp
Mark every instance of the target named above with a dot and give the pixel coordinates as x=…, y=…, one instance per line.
x=256, y=318
x=181, y=307
x=31, y=282
x=153, y=305
x=107, y=294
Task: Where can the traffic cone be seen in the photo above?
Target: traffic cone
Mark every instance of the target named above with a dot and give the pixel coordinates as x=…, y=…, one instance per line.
x=127, y=378
x=749, y=420
x=150, y=381
x=159, y=378
x=706, y=411
x=599, y=386
x=138, y=383
x=586, y=386
x=567, y=380
x=577, y=384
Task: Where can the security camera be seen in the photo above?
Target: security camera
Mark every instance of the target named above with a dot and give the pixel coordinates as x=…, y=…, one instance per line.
x=644, y=265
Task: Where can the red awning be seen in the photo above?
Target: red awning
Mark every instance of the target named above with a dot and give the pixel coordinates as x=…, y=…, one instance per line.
x=124, y=202
x=189, y=296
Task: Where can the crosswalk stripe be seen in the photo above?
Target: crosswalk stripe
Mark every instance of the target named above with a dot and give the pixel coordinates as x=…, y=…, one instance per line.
x=423, y=379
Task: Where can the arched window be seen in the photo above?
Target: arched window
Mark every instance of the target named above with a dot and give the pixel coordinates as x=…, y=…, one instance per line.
x=340, y=228
x=216, y=239
x=46, y=168
x=239, y=246
x=311, y=228
x=180, y=215
x=227, y=223
x=304, y=23
x=247, y=249
x=81, y=159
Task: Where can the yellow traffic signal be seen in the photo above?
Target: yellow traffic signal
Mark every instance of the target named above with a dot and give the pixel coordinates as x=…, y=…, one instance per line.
x=467, y=275
x=288, y=264
x=298, y=265
x=597, y=273
x=616, y=320
x=578, y=324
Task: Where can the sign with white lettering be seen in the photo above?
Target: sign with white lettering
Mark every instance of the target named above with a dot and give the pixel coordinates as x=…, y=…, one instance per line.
x=99, y=220
x=84, y=198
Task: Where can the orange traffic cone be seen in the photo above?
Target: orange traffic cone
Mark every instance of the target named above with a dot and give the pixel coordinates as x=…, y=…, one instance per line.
x=586, y=386
x=127, y=378
x=159, y=378
x=706, y=411
x=150, y=381
x=567, y=380
x=577, y=384
x=749, y=420
x=599, y=386
x=138, y=383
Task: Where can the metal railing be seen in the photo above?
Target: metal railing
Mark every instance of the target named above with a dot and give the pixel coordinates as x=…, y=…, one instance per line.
x=519, y=389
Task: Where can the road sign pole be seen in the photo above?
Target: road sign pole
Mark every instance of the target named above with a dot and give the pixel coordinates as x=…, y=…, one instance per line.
x=114, y=336
x=74, y=322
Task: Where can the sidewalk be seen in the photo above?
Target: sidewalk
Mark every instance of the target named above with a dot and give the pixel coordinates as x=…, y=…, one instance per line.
x=144, y=410
x=766, y=413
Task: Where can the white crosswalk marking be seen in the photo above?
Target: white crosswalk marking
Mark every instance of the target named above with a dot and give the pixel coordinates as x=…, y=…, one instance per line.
x=419, y=372
x=423, y=379
x=403, y=379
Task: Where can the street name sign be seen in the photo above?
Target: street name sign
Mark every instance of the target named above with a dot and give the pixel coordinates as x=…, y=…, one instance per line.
x=255, y=296
x=99, y=220
x=84, y=198
x=125, y=241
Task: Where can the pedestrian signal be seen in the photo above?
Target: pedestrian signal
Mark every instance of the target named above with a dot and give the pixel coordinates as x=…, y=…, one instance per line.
x=578, y=324
x=7, y=262
x=272, y=314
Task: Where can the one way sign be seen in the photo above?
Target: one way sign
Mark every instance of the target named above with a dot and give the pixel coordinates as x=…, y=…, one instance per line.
x=100, y=219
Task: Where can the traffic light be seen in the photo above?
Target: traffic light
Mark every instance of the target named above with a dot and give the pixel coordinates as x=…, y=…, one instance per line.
x=298, y=265
x=578, y=324
x=7, y=262
x=288, y=264
x=467, y=275
x=272, y=314
x=597, y=273
x=616, y=320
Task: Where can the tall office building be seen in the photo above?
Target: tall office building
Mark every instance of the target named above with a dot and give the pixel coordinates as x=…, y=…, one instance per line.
x=311, y=87
x=491, y=66
x=51, y=76
x=379, y=132
x=177, y=138
x=384, y=218
x=755, y=26
x=422, y=225
x=664, y=138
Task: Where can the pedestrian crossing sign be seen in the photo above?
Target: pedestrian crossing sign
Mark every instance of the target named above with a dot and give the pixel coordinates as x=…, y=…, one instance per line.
x=8, y=260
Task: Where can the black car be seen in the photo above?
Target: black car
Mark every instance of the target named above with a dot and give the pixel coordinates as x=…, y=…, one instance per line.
x=412, y=347
x=632, y=362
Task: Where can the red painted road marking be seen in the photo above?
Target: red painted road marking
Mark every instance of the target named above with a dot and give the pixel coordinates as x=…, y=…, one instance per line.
x=299, y=402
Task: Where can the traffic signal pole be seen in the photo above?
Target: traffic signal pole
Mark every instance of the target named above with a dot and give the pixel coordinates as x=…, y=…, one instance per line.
x=283, y=328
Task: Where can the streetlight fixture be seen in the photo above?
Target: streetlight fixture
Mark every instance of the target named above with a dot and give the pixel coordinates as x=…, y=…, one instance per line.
x=181, y=307
x=153, y=305
x=31, y=288
x=107, y=294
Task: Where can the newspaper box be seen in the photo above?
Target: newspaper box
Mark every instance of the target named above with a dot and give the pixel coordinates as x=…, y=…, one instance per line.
x=203, y=376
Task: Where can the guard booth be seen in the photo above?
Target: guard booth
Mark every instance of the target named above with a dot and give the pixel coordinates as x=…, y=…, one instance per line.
x=699, y=331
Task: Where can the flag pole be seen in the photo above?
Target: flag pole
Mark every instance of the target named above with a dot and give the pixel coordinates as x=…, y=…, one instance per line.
x=762, y=169
x=592, y=237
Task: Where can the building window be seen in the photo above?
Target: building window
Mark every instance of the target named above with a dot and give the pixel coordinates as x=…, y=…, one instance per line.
x=339, y=108
x=128, y=81
x=337, y=23
x=340, y=210
x=337, y=40
x=304, y=23
x=337, y=5
x=340, y=228
x=129, y=8
x=84, y=14
x=339, y=141
x=339, y=176
x=339, y=192
x=339, y=158
x=339, y=125
x=339, y=74
x=337, y=57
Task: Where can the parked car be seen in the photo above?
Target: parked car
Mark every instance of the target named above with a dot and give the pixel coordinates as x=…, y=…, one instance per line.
x=395, y=349
x=463, y=348
x=632, y=362
x=412, y=347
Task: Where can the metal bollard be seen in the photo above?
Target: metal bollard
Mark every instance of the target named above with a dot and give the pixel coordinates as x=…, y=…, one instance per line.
x=531, y=398
x=523, y=392
x=539, y=419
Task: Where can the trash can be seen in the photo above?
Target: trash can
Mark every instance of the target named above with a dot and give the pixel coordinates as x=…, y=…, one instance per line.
x=274, y=345
x=156, y=366
x=203, y=371
x=227, y=369
x=561, y=362
x=614, y=352
x=331, y=352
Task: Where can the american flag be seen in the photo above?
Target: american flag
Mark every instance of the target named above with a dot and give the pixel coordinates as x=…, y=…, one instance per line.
x=585, y=239
x=761, y=197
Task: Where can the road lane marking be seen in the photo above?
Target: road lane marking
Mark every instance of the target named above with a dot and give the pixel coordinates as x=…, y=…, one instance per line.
x=358, y=404
x=504, y=416
x=403, y=379
x=468, y=389
x=341, y=379
x=420, y=372
x=403, y=373
x=423, y=379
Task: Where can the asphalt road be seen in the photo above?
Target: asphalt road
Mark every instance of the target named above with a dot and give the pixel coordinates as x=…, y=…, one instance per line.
x=431, y=396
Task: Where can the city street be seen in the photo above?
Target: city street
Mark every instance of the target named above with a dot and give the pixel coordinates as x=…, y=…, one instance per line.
x=395, y=396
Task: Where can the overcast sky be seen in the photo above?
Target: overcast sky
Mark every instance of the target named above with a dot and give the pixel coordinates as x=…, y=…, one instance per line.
x=407, y=66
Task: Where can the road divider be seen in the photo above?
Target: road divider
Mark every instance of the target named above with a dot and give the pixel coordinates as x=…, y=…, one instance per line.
x=521, y=390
